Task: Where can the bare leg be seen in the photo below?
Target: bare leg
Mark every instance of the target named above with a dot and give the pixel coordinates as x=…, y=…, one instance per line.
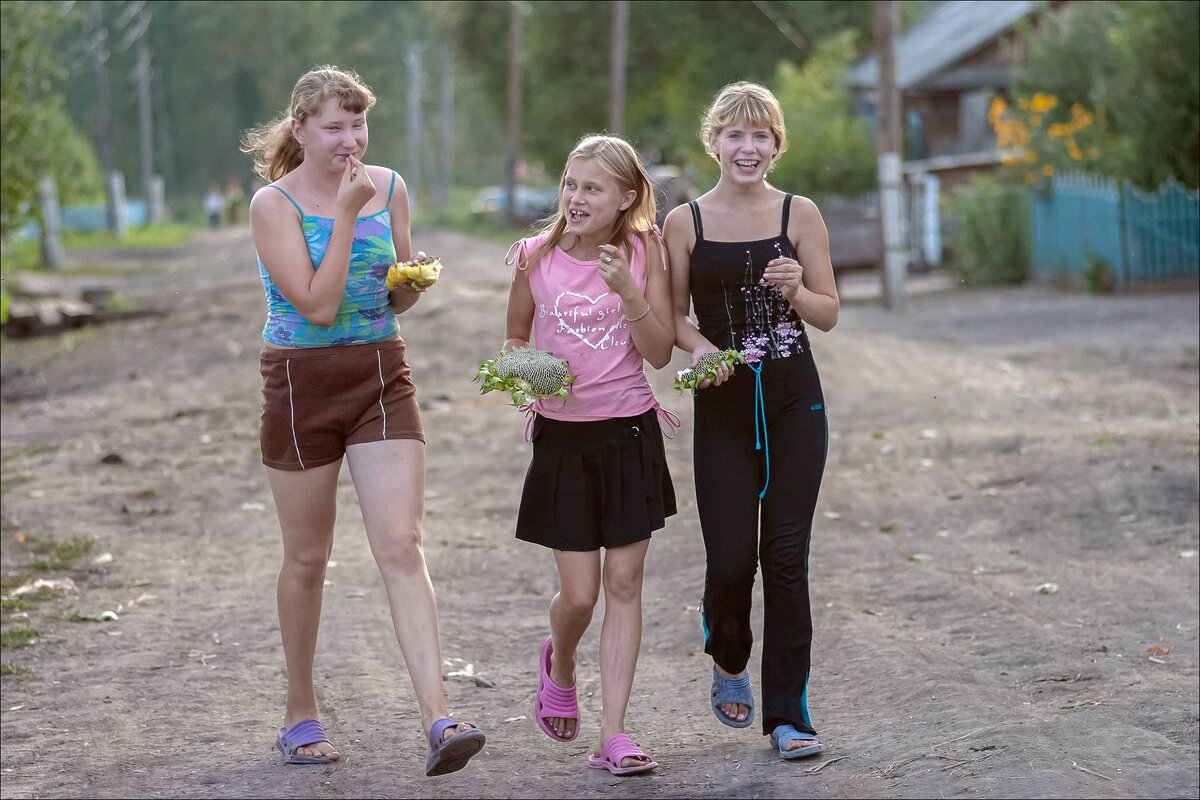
x=621, y=635
x=570, y=614
x=389, y=477
x=307, y=505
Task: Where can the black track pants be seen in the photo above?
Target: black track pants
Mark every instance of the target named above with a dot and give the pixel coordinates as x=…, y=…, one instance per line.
x=730, y=474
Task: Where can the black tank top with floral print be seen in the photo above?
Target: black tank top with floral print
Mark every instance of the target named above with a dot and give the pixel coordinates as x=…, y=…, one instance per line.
x=735, y=307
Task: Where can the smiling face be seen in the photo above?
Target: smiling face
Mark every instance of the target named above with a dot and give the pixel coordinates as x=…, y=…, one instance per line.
x=592, y=199
x=332, y=135
x=744, y=150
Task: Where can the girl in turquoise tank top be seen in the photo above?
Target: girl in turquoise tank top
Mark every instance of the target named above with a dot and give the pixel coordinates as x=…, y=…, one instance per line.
x=336, y=387
x=364, y=315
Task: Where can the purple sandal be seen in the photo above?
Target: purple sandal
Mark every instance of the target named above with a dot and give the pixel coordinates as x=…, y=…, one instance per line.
x=451, y=755
x=553, y=701
x=304, y=733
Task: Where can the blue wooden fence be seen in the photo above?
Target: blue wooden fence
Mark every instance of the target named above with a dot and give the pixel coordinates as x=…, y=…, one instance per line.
x=90, y=218
x=1141, y=236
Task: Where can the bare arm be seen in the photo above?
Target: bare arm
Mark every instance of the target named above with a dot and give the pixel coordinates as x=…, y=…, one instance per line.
x=279, y=240
x=681, y=238
x=518, y=321
x=808, y=282
x=401, y=298
x=649, y=315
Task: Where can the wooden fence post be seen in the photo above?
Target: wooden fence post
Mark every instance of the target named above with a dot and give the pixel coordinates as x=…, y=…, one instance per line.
x=53, y=253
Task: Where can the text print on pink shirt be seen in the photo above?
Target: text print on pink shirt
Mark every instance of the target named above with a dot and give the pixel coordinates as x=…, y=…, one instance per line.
x=598, y=324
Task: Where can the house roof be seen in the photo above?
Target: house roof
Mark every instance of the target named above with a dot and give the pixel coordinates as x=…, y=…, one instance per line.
x=952, y=31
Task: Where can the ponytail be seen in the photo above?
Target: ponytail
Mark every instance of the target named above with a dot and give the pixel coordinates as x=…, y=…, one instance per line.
x=275, y=151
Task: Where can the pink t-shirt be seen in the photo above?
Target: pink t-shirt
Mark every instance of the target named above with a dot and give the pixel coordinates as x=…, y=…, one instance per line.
x=578, y=317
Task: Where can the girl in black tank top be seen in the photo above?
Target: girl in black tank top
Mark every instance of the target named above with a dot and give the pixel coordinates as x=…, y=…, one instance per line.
x=734, y=305
x=760, y=433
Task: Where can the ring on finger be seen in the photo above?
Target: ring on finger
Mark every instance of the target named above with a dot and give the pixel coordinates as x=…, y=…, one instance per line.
x=607, y=259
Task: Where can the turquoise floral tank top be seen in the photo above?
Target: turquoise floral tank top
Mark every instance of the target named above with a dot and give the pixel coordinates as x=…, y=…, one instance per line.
x=365, y=314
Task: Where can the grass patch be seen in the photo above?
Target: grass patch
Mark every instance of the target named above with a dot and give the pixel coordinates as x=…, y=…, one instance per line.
x=29, y=452
x=9, y=668
x=9, y=481
x=27, y=601
x=13, y=580
x=58, y=554
x=16, y=603
x=18, y=637
x=25, y=256
x=147, y=236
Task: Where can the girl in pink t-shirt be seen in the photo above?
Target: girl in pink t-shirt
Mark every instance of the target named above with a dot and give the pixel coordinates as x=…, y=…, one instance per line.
x=593, y=288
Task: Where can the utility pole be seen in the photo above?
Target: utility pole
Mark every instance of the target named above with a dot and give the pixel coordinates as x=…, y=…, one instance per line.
x=888, y=144
x=166, y=144
x=151, y=189
x=54, y=255
x=103, y=127
x=512, y=147
x=414, y=123
x=619, y=67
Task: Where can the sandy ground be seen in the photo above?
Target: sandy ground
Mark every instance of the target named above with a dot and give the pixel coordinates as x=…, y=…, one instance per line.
x=986, y=444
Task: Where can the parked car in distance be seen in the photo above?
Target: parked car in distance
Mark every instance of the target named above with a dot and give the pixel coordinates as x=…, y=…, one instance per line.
x=531, y=203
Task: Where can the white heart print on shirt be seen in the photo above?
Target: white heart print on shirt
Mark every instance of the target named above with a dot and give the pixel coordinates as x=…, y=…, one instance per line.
x=588, y=322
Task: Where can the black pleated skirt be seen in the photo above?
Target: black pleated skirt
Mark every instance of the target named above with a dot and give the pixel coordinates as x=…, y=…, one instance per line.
x=595, y=484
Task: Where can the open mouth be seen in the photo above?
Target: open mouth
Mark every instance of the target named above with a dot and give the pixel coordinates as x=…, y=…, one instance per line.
x=744, y=164
x=575, y=215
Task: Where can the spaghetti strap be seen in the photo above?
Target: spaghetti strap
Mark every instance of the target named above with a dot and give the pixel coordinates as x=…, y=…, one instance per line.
x=787, y=209
x=696, y=219
x=392, y=188
x=288, y=196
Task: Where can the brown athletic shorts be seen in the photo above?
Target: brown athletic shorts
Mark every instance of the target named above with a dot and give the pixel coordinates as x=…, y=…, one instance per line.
x=319, y=400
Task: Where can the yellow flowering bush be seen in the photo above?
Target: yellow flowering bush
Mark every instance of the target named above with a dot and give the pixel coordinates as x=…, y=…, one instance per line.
x=1040, y=135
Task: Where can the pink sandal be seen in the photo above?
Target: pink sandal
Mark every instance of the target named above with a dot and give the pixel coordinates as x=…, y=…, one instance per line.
x=553, y=701
x=618, y=748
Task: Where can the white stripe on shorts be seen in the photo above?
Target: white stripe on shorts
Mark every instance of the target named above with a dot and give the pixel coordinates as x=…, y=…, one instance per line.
x=382, y=385
x=292, y=406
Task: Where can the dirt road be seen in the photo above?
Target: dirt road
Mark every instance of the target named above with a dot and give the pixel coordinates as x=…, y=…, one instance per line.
x=1004, y=565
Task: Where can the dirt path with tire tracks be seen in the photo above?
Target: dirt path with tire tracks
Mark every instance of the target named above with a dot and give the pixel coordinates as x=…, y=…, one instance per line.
x=987, y=444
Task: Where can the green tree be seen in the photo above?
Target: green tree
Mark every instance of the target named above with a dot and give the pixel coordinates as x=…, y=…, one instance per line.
x=1155, y=97
x=221, y=66
x=829, y=147
x=38, y=138
x=1131, y=70
x=680, y=54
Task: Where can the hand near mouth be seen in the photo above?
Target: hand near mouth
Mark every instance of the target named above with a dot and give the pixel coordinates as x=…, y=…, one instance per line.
x=356, y=188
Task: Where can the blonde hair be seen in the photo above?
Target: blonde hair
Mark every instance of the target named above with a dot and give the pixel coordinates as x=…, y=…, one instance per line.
x=618, y=158
x=272, y=145
x=747, y=101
